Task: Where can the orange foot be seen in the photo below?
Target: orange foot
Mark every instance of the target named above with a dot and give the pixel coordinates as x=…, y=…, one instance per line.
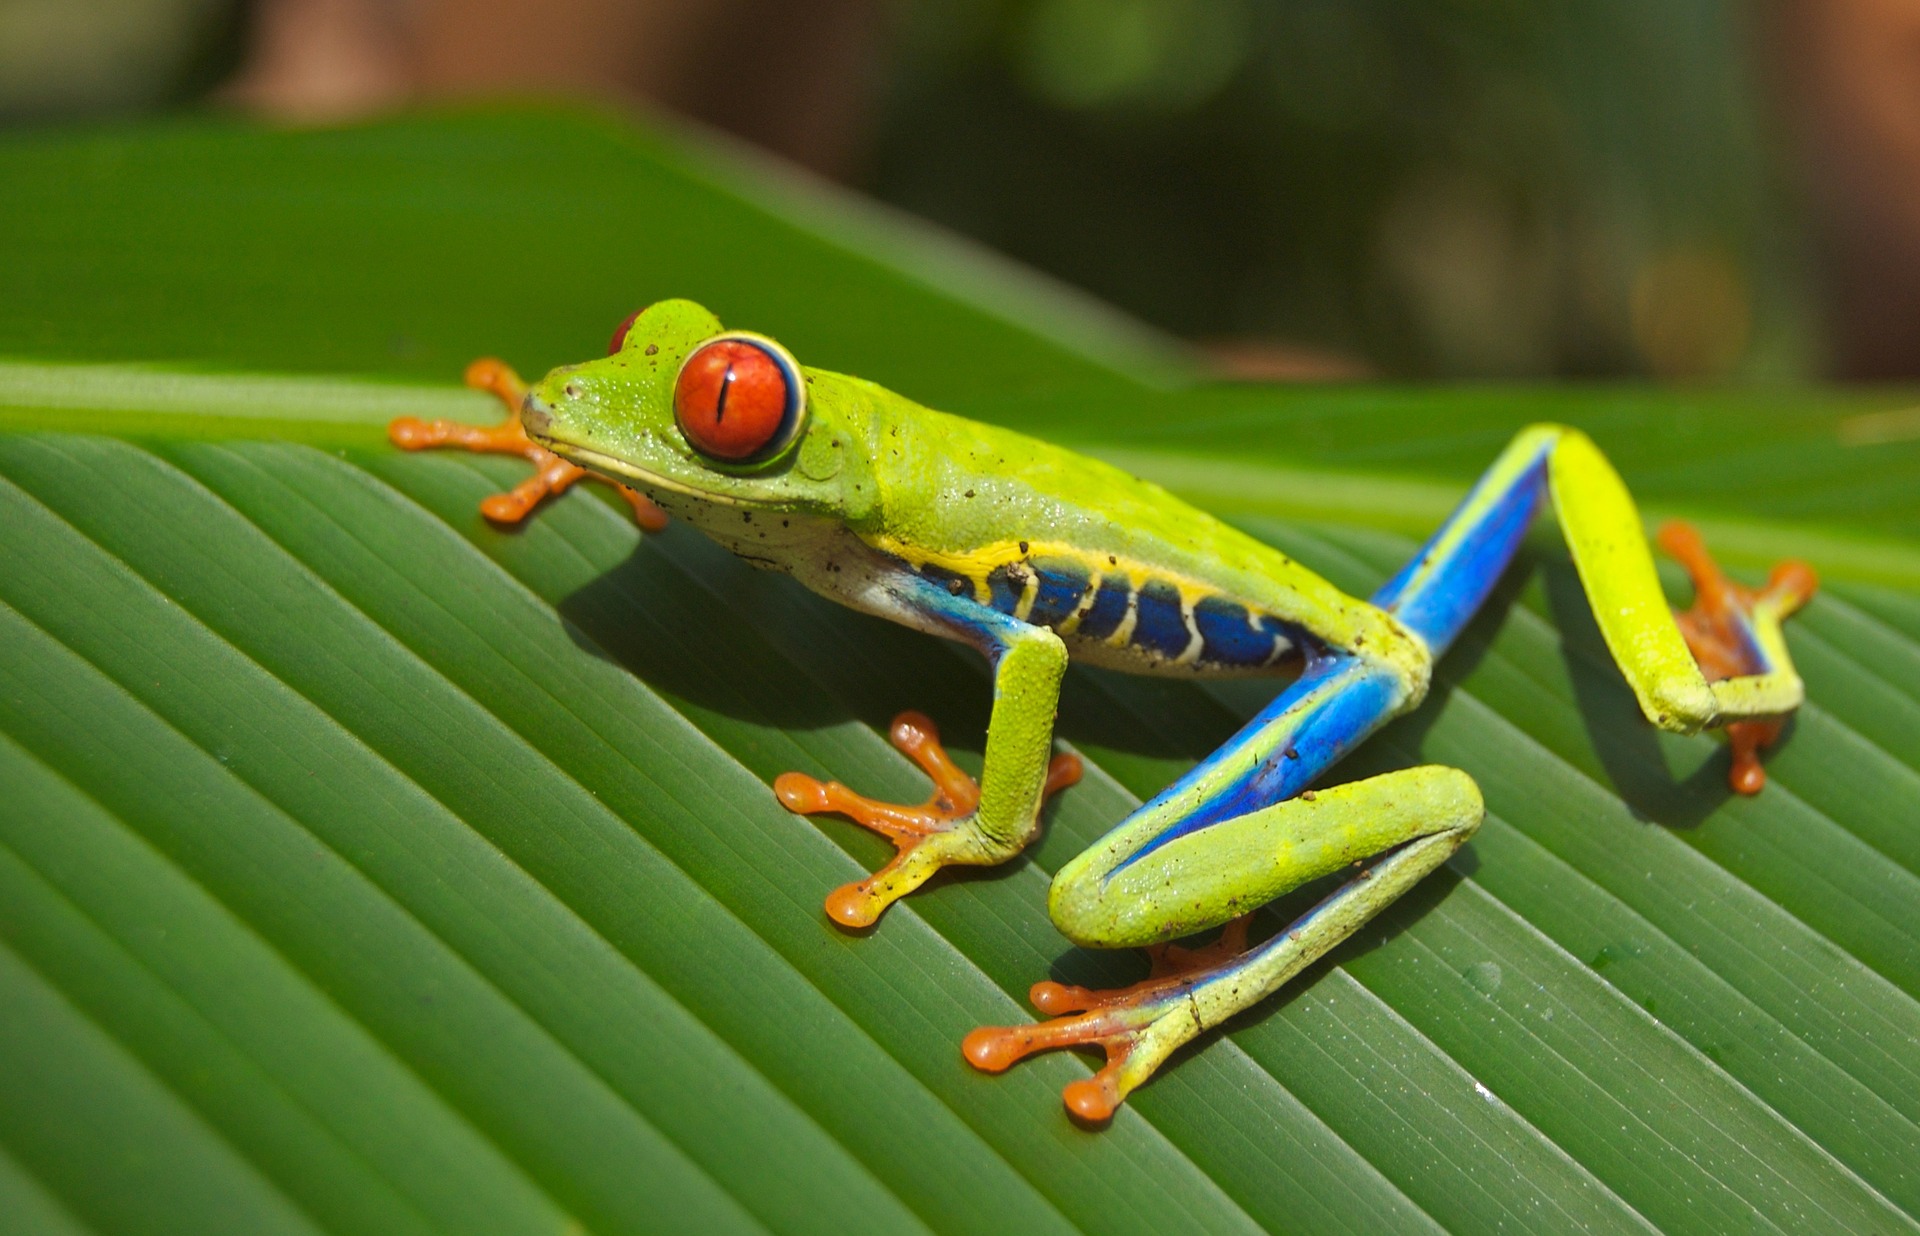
x=926, y=837
x=1716, y=630
x=1137, y=1026
x=552, y=475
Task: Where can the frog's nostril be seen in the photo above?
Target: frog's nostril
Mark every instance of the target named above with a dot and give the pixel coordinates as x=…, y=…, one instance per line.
x=571, y=391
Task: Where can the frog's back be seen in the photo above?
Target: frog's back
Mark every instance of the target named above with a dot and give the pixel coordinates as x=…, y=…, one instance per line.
x=1129, y=575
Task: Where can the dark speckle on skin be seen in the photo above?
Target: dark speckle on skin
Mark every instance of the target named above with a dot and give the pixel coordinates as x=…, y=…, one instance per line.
x=969, y=493
x=1023, y=547
x=652, y=349
x=1112, y=561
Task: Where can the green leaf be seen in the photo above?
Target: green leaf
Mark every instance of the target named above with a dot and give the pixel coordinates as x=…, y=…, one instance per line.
x=366, y=868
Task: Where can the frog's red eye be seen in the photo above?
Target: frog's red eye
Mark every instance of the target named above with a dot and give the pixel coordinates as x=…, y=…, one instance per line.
x=619, y=339
x=739, y=398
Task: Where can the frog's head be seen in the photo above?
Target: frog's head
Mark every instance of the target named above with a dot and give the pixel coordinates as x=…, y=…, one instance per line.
x=703, y=419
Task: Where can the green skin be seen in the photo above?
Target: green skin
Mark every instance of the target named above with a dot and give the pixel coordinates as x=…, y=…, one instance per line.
x=876, y=486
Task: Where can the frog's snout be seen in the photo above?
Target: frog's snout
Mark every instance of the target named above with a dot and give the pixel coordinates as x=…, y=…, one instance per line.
x=535, y=418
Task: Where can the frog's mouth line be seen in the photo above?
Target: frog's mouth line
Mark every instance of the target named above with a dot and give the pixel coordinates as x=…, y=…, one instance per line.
x=607, y=465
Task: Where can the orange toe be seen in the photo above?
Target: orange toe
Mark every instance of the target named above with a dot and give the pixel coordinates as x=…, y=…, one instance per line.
x=1062, y=771
x=1716, y=628
x=552, y=475
x=911, y=827
x=646, y=512
x=1115, y=1020
x=856, y=905
x=800, y=794
x=994, y=1049
x=497, y=378
x=1094, y=1099
x=955, y=792
x=1744, y=739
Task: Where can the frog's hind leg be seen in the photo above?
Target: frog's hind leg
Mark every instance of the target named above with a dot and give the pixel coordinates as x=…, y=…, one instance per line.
x=1387, y=833
x=924, y=836
x=1722, y=664
x=1243, y=828
x=1236, y=832
x=552, y=474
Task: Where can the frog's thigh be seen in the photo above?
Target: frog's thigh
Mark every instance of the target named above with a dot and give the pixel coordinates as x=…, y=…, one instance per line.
x=1226, y=869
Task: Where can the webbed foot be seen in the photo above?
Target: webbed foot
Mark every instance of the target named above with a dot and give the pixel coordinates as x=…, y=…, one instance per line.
x=1719, y=629
x=1137, y=1026
x=928, y=837
x=552, y=474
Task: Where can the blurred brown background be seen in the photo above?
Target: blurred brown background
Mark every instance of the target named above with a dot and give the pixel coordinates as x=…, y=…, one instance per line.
x=1682, y=189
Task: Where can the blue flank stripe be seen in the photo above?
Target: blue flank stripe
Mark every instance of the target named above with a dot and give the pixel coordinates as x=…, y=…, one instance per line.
x=1109, y=607
x=1004, y=590
x=1160, y=625
x=1062, y=584
x=1227, y=637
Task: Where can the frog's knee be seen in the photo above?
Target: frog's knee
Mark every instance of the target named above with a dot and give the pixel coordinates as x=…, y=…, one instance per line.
x=1458, y=805
x=1084, y=909
x=1073, y=899
x=1680, y=703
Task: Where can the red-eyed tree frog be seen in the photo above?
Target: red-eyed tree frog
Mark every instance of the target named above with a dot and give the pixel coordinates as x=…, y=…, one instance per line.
x=1034, y=555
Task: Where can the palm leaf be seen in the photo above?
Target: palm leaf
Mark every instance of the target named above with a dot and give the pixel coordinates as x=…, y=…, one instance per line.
x=365, y=868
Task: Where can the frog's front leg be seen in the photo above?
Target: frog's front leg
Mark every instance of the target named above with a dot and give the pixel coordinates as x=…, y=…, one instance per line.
x=552, y=474
x=963, y=822
x=1232, y=835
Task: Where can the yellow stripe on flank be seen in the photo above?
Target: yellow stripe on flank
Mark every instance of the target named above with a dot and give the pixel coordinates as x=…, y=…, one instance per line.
x=1191, y=653
x=978, y=563
x=973, y=563
x=1123, y=634
x=1071, y=622
x=1027, y=595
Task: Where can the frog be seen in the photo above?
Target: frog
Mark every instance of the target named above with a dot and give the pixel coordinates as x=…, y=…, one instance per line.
x=1036, y=556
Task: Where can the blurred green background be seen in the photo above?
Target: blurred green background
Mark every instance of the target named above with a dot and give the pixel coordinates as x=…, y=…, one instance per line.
x=1676, y=189
x=365, y=860
x=1440, y=189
